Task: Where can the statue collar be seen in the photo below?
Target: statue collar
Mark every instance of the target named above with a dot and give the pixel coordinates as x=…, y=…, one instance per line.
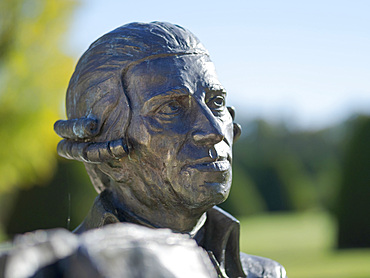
x=221, y=241
x=219, y=236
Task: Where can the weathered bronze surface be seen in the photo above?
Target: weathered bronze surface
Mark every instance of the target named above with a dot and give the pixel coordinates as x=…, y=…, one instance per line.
x=147, y=115
x=119, y=250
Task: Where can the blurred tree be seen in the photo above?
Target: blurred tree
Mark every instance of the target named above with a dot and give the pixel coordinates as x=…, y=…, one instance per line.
x=34, y=73
x=244, y=198
x=353, y=207
x=63, y=202
x=283, y=169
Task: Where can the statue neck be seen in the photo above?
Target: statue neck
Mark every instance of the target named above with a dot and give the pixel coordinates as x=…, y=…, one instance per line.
x=152, y=212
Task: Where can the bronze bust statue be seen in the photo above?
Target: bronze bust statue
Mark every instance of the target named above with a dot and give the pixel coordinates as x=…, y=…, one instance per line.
x=147, y=117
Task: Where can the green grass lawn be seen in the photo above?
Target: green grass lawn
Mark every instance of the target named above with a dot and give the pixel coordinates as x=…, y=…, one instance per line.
x=304, y=244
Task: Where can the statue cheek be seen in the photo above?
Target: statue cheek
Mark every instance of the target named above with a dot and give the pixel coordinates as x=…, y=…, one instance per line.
x=138, y=133
x=228, y=129
x=229, y=134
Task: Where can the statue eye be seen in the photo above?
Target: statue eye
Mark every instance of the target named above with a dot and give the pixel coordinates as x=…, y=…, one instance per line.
x=216, y=103
x=170, y=108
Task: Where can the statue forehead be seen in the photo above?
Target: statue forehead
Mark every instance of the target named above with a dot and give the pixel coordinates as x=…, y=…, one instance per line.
x=160, y=76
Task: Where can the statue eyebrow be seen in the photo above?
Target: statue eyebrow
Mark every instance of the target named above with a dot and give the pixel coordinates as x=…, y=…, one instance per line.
x=160, y=98
x=220, y=90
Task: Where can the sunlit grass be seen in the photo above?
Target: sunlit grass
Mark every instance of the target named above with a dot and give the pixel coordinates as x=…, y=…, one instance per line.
x=304, y=244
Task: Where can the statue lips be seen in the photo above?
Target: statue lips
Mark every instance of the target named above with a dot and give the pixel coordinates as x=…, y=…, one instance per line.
x=207, y=164
x=216, y=166
x=214, y=172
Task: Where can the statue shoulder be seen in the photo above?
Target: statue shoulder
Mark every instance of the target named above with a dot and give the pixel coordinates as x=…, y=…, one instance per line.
x=258, y=267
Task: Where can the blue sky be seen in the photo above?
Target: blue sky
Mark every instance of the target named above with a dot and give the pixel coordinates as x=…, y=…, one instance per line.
x=304, y=62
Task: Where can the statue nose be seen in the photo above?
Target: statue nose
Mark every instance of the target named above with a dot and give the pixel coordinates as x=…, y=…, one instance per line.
x=207, y=138
x=207, y=130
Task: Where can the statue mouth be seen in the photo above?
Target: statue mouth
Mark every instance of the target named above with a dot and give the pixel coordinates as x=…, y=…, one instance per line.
x=216, y=166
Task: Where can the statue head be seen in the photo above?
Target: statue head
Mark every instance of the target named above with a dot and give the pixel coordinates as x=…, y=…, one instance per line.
x=148, y=117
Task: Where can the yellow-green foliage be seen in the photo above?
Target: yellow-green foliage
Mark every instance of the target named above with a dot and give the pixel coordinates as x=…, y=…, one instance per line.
x=34, y=74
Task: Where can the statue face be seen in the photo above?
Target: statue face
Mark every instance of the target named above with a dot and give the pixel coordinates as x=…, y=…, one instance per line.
x=181, y=131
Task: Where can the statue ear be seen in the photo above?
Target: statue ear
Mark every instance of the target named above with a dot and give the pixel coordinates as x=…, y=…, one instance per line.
x=236, y=128
x=237, y=131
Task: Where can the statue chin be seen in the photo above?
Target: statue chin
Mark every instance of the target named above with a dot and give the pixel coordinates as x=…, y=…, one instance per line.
x=199, y=189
